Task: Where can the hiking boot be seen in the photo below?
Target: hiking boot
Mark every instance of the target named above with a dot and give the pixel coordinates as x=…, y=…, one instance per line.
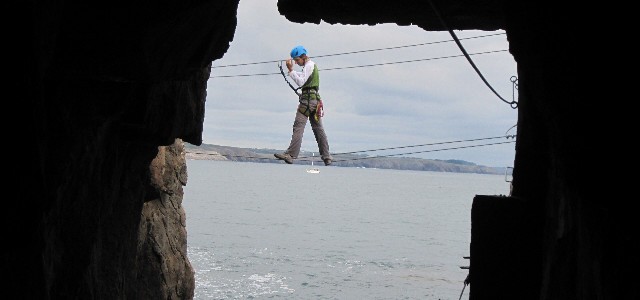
x=327, y=161
x=284, y=156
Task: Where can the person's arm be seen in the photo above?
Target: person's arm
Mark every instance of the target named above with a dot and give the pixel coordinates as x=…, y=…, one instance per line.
x=301, y=77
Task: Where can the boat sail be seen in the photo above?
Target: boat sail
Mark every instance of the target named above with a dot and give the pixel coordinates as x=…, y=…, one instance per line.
x=313, y=169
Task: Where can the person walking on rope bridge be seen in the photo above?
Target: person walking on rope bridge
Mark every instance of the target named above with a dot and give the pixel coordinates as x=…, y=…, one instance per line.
x=309, y=107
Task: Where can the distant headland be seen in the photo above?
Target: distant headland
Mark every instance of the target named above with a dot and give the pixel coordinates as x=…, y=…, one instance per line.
x=217, y=152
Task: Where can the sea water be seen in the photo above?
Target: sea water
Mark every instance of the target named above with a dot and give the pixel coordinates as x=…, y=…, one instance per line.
x=274, y=231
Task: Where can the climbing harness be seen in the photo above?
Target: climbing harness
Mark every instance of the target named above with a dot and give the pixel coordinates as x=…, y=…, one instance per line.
x=319, y=107
x=305, y=102
x=295, y=90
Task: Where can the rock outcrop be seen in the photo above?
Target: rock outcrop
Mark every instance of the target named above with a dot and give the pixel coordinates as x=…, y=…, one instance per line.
x=163, y=268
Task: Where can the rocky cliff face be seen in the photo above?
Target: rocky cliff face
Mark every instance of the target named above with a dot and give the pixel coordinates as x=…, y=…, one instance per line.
x=162, y=267
x=109, y=88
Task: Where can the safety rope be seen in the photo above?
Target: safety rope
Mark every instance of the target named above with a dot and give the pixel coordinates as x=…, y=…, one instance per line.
x=295, y=90
x=466, y=282
x=512, y=103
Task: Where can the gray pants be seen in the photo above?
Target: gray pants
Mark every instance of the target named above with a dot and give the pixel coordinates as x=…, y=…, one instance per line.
x=298, y=130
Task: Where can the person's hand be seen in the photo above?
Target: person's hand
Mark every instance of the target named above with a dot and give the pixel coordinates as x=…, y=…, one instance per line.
x=289, y=64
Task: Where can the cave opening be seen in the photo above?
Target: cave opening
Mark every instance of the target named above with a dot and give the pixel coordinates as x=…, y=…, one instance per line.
x=384, y=86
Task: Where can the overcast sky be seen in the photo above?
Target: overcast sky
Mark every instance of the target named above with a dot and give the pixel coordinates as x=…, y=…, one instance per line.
x=392, y=105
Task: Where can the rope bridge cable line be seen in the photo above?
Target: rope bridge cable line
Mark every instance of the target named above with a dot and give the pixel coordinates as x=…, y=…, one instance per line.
x=413, y=60
x=369, y=65
x=418, y=152
x=361, y=51
x=429, y=144
x=306, y=158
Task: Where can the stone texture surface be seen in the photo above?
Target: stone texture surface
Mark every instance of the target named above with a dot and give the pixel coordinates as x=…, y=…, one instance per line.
x=106, y=86
x=163, y=268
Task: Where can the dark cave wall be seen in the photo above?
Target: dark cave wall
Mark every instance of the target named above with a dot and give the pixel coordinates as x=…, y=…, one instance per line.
x=109, y=88
x=574, y=238
x=585, y=237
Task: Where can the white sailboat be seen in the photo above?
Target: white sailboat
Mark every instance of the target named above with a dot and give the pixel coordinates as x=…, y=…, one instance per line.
x=313, y=169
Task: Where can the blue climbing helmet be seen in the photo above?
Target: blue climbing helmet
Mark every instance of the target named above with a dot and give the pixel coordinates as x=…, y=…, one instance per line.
x=297, y=51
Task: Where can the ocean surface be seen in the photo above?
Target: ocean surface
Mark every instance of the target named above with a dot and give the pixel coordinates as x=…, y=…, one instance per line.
x=274, y=231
